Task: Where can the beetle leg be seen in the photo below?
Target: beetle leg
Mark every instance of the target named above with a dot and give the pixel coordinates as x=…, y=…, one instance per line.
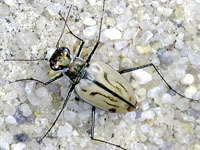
x=152, y=65
x=92, y=131
x=63, y=106
x=44, y=83
x=98, y=40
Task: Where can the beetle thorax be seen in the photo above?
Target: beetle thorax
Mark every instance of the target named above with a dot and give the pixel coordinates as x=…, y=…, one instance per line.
x=74, y=69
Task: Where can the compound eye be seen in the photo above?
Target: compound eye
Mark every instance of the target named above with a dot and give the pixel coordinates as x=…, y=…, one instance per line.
x=60, y=59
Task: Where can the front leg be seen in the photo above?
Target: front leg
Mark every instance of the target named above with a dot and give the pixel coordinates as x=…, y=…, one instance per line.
x=36, y=80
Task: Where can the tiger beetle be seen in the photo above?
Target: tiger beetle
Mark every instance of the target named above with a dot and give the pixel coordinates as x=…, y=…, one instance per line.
x=95, y=82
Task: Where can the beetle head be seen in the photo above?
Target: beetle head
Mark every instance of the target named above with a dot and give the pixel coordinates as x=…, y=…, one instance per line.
x=61, y=59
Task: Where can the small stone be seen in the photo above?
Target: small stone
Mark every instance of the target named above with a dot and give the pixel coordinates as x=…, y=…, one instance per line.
x=130, y=116
x=142, y=76
x=20, y=118
x=149, y=114
x=10, y=96
x=113, y=34
x=144, y=49
x=196, y=106
x=120, y=45
x=26, y=39
x=146, y=36
x=18, y=146
x=145, y=128
x=187, y=79
x=166, y=98
x=84, y=115
x=10, y=2
x=48, y=147
x=190, y=91
x=1, y=121
x=54, y=9
x=25, y=109
x=4, y=10
x=41, y=23
x=90, y=32
x=42, y=92
x=182, y=104
x=21, y=137
x=69, y=116
x=165, y=11
x=10, y=120
x=92, y=2
x=154, y=92
x=63, y=131
x=89, y=21
x=8, y=137
x=9, y=110
x=141, y=91
x=119, y=9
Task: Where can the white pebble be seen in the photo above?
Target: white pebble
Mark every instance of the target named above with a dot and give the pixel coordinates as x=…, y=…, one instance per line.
x=4, y=10
x=69, y=116
x=142, y=76
x=190, y=91
x=144, y=49
x=165, y=11
x=195, y=106
x=146, y=36
x=166, y=98
x=145, y=128
x=149, y=114
x=10, y=2
x=8, y=137
x=187, y=79
x=119, y=9
x=48, y=147
x=154, y=92
x=113, y=34
x=42, y=92
x=130, y=116
x=41, y=23
x=9, y=110
x=182, y=104
x=89, y=21
x=50, y=51
x=26, y=39
x=120, y=45
x=54, y=9
x=25, y=109
x=34, y=100
x=1, y=121
x=10, y=120
x=92, y=2
x=63, y=131
x=141, y=91
x=18, y=146
x=10, y=95
x=90, y=32
x=84, y=115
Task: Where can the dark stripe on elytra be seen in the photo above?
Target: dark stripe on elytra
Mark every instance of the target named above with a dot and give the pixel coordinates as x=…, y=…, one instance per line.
x=87, y=76
x=84, y=90
x=111, y=104
x=122, y=86
x=108, y=97
x=119, y=89
x=106, y=78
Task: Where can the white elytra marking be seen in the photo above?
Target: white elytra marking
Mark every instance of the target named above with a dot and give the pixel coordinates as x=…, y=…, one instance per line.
x=99, y=97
